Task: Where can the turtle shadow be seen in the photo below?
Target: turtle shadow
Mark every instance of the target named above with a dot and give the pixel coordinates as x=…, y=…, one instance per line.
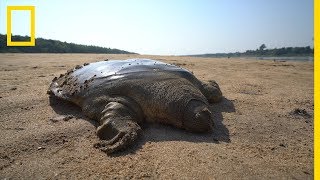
x=159, y=132
x=63, y=107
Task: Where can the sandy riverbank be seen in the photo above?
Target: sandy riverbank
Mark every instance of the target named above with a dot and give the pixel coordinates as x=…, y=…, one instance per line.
x=257, y=133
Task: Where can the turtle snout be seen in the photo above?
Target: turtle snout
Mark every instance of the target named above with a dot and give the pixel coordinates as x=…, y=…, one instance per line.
x=198, y=117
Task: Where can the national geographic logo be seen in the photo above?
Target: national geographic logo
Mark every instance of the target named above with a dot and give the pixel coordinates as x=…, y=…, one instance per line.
x=32, y=26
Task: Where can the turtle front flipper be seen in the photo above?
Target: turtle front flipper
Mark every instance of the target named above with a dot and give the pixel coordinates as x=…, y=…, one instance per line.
x=119, y=127
x=211, y=91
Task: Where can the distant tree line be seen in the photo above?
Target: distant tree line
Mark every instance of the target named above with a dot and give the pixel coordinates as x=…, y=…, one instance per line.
x=53, y=46
x=263, y=52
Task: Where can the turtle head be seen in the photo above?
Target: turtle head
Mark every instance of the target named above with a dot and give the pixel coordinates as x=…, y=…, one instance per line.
x=197, y=117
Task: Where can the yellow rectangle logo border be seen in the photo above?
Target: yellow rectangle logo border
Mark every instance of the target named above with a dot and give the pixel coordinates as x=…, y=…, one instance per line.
x=32, y=24
x=316, y=89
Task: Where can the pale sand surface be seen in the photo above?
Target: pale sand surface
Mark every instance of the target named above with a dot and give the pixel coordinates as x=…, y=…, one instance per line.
x=256, y=136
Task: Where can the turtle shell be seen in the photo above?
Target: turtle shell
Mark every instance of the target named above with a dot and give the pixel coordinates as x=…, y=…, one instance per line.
x=78, y=79
x=115, y=69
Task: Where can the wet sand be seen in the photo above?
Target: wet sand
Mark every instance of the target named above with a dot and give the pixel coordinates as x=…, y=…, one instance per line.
x=264, y=125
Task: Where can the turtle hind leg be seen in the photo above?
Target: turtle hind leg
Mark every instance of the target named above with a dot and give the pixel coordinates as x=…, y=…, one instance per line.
x=119, y=128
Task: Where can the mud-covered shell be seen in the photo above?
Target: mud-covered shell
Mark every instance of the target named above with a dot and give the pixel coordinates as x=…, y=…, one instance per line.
x=80, y=78
x=115, y=69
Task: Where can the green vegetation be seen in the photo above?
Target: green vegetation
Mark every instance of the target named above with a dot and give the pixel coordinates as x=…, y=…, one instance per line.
x=53, y=46
x=262, y=51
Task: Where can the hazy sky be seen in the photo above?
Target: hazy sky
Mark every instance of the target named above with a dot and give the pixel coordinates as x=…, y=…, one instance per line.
x=169, y=27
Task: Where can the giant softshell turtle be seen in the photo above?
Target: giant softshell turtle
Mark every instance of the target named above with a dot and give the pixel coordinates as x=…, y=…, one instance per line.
x=121, y=94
